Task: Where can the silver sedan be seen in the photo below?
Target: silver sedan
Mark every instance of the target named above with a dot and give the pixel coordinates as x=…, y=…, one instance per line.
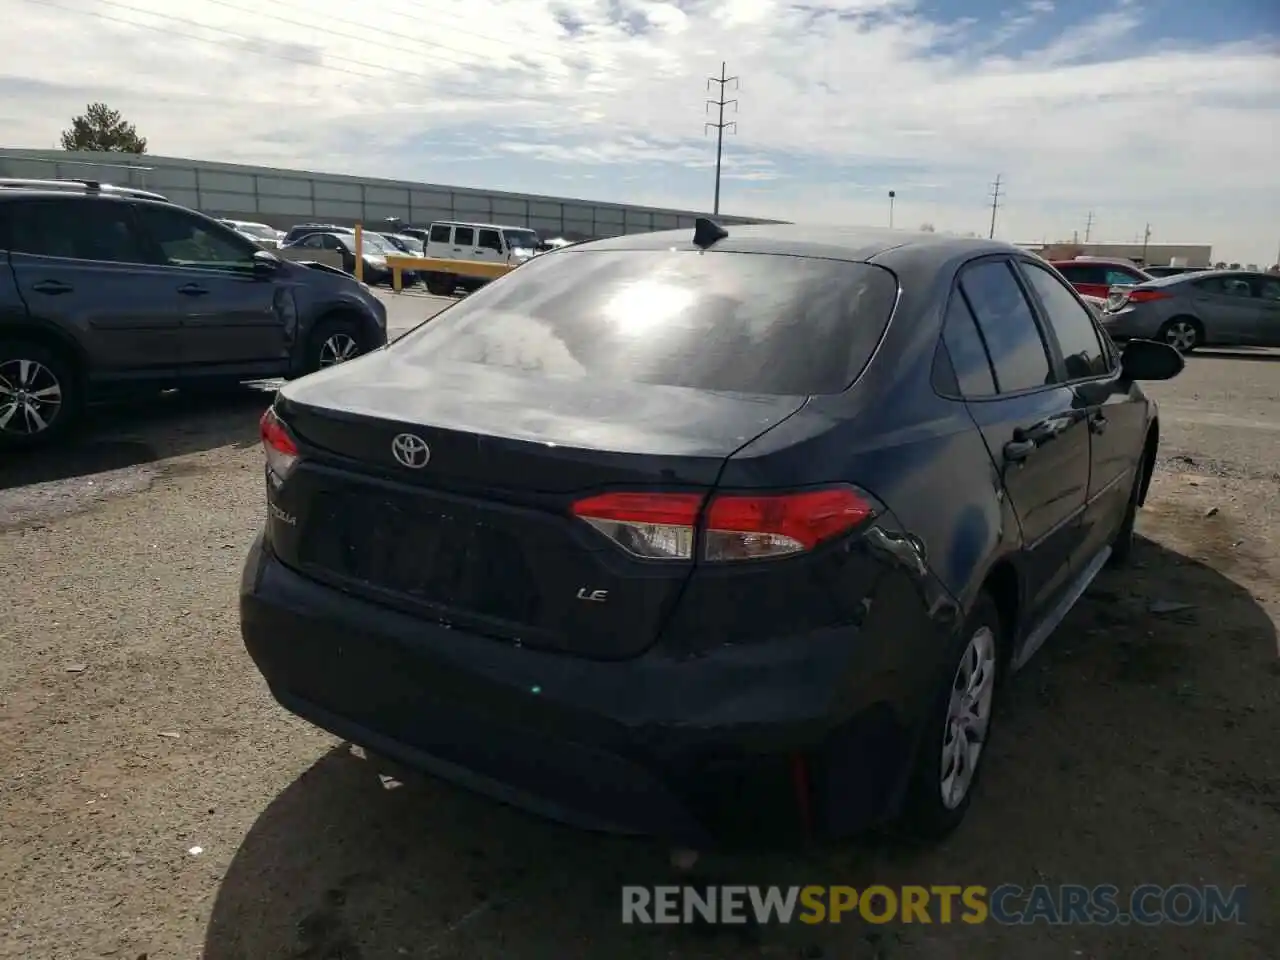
x=1209, y=308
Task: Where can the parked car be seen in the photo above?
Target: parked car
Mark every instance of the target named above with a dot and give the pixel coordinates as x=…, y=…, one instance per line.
x=265, y=236
x=410, y=247
x=688, y=533
x=373, y=254
x=1095, y=277
x=107, y=292
x=1208, y=308
x=481, y=242
x=298, y=231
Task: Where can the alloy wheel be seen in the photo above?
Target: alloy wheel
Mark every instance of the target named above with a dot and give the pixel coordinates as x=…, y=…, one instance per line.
x=338, y=348
x=30, y=397
x=968, y=716
x=1181, y=335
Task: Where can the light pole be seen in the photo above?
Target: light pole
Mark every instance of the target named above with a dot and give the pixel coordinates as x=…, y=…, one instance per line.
x=892, y=194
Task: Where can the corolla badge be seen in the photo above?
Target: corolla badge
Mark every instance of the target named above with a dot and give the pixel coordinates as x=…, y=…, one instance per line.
x=410, y=450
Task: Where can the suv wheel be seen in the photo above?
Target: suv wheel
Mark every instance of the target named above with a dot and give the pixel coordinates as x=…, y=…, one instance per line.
x=333, y=342
x=957, y=728
x=440, y=284
x=39, y=395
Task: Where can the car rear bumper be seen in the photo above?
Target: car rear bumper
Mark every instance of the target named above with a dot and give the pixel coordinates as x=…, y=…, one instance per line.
x=739, y=744
x=1128, y=324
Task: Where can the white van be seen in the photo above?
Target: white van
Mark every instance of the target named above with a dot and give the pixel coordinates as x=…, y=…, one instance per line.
x=484, y=242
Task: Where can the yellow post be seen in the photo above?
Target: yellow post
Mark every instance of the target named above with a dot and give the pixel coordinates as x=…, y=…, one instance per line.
x=396, y=278
x=359, y=252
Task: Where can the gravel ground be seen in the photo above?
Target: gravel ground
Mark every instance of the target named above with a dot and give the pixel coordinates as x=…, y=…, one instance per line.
x=158, y=804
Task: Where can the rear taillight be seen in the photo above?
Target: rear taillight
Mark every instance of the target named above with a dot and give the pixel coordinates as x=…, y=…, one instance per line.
x=664, y=526
x=277, y=444
x=1145, y=296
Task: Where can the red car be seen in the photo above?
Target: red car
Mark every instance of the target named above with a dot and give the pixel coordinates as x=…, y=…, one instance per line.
x=1094, y=278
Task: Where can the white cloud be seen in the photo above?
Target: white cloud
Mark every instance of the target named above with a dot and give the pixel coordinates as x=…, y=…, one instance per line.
x=1185, y=136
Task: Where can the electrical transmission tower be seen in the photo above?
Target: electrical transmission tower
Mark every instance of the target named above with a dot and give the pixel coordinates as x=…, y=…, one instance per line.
x=720, y=125
x=1088, y=226
x=995, y=205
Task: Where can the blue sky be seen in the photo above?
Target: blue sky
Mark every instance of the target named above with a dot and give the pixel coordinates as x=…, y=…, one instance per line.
x=1135, y=110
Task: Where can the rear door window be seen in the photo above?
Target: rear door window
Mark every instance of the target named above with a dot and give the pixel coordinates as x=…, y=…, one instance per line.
x=1228, y=286
x=736, y=322
x=1008, y=326
x=463, y=236
x=76, y=229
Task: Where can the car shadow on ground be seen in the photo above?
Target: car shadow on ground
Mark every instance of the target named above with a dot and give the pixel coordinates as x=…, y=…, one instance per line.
x=120, y=435
x=1136, y=748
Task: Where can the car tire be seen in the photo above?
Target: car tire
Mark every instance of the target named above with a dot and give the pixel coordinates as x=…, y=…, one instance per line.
x=1184, y=334
x=46, y=371
x=333, y=341
x=440, y=284
x=935, y=803
x=1122, y=545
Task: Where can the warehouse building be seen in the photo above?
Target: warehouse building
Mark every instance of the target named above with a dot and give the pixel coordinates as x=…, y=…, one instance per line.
x=282, y=198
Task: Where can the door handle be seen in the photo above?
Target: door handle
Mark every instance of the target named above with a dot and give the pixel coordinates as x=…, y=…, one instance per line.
x=1098, y=423
x=52, y=287
x=1016, y=451
x=193, y=290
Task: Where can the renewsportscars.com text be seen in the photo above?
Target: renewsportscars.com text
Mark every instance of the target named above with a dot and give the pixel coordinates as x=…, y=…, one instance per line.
x=1007, y=904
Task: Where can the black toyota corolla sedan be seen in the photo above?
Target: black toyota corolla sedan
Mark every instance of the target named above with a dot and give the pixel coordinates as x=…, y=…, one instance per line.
x=702, y=534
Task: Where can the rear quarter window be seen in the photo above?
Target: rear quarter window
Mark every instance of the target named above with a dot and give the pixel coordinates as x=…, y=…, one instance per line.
x=734, y=322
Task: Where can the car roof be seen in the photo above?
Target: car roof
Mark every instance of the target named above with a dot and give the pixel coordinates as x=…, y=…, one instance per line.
x=1102, y=261
x=17, y=186
x=831, y=242
x=482, y=226
x=1175, y=278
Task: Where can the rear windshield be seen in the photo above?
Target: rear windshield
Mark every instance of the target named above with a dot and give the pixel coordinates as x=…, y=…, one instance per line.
x=736, y=322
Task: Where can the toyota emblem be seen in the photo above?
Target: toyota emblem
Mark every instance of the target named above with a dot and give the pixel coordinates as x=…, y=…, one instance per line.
x=410, y=451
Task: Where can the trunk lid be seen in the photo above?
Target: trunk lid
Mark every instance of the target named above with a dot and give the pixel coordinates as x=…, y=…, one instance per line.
x=481, y=535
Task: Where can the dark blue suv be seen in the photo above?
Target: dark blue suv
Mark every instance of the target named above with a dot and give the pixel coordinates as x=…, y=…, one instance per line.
x=105, y=290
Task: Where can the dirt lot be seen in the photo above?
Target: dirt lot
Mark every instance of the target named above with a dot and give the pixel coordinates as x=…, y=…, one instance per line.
x=157, y=803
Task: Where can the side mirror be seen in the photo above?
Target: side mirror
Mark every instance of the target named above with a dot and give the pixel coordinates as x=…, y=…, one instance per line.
x=1150, y=360
x=264, y=263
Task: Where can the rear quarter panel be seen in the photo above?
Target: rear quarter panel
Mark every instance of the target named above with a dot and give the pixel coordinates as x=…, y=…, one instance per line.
x=891, y=434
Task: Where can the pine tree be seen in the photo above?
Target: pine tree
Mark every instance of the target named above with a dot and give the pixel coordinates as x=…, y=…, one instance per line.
x=101, y=129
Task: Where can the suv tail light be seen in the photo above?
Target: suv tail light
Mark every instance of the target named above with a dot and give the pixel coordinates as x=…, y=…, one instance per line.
x=277, y=444
x=664, y=526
